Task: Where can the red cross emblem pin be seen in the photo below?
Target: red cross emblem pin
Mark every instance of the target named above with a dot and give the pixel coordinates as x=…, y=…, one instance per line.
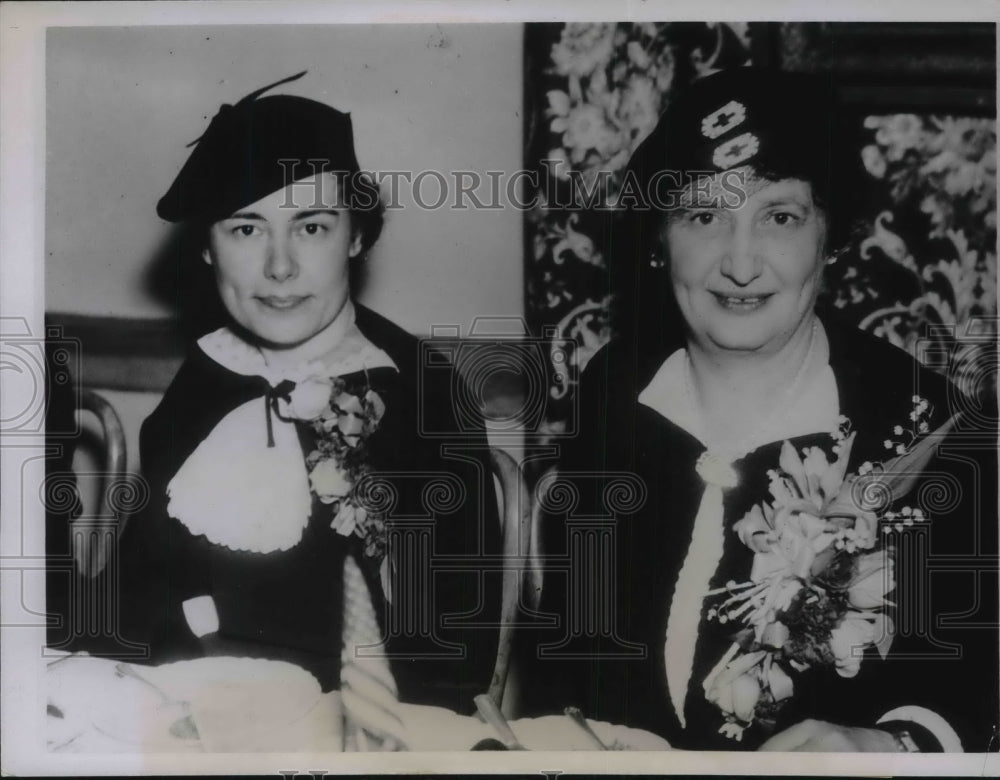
x=723, y=119
x=735, y=151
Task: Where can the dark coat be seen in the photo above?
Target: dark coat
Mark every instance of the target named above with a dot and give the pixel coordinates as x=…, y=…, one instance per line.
x=945, y=653
x=288, y=604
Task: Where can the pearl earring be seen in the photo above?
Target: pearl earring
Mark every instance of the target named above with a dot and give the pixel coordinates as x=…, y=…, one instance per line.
x=655, y=261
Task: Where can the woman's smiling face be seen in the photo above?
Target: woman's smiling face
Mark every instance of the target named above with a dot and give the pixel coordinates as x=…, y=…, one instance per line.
x=746, y=278
x=281, y=264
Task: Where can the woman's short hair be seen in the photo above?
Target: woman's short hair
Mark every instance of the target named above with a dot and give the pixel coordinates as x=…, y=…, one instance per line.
x=361, y=194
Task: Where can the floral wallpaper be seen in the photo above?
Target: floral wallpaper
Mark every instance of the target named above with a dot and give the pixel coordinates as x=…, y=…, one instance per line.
x=925, y=264
x=925, y=276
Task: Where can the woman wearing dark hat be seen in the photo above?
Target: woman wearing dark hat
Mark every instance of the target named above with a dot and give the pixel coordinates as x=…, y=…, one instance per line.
x=767, y=582
x=289, y=442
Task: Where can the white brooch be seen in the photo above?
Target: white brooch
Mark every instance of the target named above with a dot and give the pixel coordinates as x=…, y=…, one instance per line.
x=735, y=151
x=716, y=471
x=723, y=119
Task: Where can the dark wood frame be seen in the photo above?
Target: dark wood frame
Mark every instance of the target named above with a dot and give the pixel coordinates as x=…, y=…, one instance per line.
x=891, y=67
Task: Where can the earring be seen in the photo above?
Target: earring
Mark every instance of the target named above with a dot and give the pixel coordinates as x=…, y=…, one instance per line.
x=655, y=261
x=831, y=260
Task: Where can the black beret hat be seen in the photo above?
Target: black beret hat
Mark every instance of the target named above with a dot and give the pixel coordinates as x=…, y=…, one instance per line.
x=784, y=125
x=238, y=159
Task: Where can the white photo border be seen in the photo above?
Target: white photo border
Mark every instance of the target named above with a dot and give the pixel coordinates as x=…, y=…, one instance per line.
x=22, y=200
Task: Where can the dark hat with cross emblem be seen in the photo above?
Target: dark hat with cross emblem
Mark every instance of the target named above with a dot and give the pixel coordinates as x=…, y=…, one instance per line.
x=783, y=125
x=256, y=147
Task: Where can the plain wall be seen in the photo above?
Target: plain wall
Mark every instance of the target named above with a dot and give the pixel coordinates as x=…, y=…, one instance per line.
x=122, y=104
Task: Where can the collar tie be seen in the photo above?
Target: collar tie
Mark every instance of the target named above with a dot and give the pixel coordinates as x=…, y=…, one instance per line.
x=281, y=392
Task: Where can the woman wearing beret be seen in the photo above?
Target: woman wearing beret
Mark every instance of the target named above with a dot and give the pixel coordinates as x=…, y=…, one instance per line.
x=768, y=582
x=288, y=445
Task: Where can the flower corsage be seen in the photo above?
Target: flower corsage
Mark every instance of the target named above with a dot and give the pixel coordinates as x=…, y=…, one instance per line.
x=343, y=416
x=821, y=573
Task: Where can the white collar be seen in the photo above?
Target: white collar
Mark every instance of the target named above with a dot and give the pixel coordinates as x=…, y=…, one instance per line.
x=353, y=352
x=814, y=408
